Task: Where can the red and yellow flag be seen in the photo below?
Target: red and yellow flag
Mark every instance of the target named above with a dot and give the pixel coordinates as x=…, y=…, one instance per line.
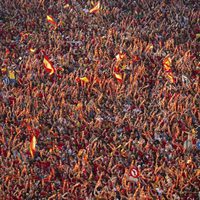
x=170, y=77
x=51, y=20
x=84, y=79
x=48, y=65
x=167, y=62
x=118, y=77
x=96, y=8
x=32, y=146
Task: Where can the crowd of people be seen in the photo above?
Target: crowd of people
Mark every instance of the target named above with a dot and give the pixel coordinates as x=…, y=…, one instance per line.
x=109, y=122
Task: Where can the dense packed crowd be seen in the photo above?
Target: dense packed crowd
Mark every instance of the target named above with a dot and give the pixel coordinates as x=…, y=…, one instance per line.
x=109, y=123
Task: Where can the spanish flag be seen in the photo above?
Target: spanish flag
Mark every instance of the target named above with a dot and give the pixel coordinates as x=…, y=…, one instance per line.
x=118, y=77
x=167, y=62
x=84, y=79
x=170, y=77
x=51, y=20
x=96, y=8
x=48, y=65
x=32, y=146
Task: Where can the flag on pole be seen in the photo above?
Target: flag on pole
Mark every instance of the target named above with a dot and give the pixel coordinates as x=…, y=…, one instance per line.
x=32, y=146
x=48, y=65
x=51, y=20
x=96, y=8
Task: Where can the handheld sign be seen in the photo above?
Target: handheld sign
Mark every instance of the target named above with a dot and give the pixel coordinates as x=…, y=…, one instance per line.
x=134, y=172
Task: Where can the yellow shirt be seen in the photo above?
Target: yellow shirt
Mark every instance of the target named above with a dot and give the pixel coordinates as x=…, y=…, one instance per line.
x=11, y=74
